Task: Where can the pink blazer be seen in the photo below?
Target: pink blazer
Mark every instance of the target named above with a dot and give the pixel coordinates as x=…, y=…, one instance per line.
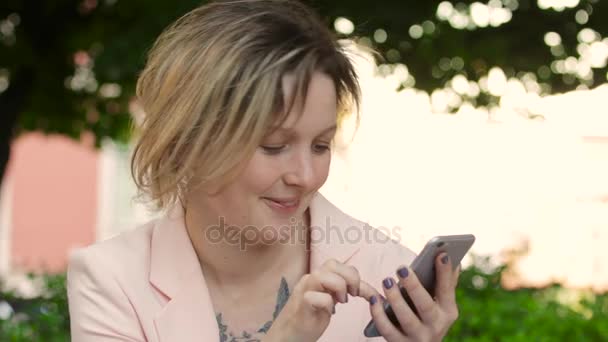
x=146, y=284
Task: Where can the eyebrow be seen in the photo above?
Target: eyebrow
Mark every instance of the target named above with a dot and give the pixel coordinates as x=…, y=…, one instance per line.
x=330, y=128
x=290, y=131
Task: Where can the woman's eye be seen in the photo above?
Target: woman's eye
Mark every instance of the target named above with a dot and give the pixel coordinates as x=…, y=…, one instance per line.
x=273, y=149
x=320, y=148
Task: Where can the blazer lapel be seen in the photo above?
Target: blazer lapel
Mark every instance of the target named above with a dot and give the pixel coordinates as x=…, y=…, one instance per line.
x=175, y=272
x=188, y=315
x=339, y=237
x=329, y=237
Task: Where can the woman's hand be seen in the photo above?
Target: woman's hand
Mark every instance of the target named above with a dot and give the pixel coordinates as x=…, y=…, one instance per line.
x=436, y=315
x=311, y=305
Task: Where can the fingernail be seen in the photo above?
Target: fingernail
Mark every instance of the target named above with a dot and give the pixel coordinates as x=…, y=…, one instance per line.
x=403, y=272
x=346, y=298
x=444, y=259
x=372, y=300
x=333, y=311
x=388, y=283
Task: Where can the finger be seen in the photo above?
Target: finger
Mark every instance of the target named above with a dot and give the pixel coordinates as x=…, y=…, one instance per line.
x=320, y=301
x=410, y=323
x=333, y=283
x=445, y=287
x=366, y=290
x=424, y=303
x=312, y=282
x=383, y=324
x=456, y=275
x=348, y=272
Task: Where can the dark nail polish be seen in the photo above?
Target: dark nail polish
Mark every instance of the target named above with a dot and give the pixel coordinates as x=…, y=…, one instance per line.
x=372, y=300
x=403, y=272
x=444, y=259
x=388, y=283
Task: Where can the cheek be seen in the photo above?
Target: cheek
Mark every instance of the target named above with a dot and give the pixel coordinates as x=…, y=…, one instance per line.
x=322, y=169
x=261, y=173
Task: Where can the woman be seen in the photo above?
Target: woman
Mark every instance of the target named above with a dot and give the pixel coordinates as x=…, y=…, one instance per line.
x=242, y=101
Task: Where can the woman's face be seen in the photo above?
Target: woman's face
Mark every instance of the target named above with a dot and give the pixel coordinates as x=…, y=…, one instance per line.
x=277, y=183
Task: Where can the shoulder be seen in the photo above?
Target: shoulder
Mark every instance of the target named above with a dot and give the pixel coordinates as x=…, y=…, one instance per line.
x=384, y=246
x=101, y=283
x=125, y=252
x=376, y=245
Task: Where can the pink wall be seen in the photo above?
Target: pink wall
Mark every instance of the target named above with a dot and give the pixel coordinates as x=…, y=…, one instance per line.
x=54, y=200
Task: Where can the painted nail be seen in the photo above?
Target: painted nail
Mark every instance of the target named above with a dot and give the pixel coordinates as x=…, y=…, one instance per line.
x=388, y=283
x=333, y=311
x=372, y=300
x=444, y=259
x=403, y=272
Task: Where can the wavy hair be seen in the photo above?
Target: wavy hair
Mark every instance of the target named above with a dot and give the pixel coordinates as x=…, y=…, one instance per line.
x=211, y=90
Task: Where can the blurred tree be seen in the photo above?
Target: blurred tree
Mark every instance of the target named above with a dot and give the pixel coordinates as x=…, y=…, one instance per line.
x=69, y=66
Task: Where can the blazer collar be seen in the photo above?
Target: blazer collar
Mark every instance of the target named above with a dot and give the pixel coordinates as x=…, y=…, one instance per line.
x=329, y=233
x=175, y=270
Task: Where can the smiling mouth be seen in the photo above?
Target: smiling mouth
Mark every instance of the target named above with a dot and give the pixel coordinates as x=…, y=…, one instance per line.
x=285, y=205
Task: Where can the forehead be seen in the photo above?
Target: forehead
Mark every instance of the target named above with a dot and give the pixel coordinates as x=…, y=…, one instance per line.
x=317, y=110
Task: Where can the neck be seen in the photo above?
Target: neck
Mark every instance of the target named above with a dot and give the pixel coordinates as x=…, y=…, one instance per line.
x=231, y=263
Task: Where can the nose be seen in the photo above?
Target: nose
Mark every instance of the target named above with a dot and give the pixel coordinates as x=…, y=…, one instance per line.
x=301, y=170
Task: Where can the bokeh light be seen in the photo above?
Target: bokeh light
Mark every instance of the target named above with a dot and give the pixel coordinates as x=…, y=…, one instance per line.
x=460, y=84
x=416, y=31
x=497, y=81
x=552, y=39
x=587, y=35
x=380, y=36
x=581, y=17
x=445, y=10
x=4, y=80
x=110, y=90
x=344, y=26
x=428, y=27
x=477, y=14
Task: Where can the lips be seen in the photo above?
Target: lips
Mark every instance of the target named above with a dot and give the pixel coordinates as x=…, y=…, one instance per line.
x=286, y=202
x=283, y=205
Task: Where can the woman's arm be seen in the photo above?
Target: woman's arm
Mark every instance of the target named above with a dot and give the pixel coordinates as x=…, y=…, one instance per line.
x=99, y=309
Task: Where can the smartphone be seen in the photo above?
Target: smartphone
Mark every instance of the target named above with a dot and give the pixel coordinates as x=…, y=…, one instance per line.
x=456, y=246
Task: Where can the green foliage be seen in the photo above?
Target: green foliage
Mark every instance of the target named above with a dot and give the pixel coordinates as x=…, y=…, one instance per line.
x=488, y=312
x=43, y=318
x=60, y=56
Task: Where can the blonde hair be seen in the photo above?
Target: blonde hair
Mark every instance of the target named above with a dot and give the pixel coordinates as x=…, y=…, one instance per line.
x=211, y=90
